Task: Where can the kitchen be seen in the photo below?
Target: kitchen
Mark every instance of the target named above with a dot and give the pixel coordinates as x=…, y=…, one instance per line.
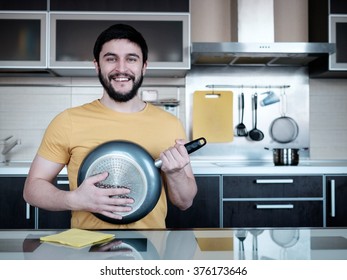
x=317, y=104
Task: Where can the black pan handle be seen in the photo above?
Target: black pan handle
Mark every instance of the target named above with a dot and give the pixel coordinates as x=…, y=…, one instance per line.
x=191, y=147
x=195, y=145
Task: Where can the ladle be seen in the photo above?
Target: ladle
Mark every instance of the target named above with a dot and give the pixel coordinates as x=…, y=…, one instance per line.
x=255, y=134
x=241, y=236
x=241, y=129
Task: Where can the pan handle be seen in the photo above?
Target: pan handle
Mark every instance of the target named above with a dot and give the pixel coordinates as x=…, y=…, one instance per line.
x=195, y=145
x=191, y=147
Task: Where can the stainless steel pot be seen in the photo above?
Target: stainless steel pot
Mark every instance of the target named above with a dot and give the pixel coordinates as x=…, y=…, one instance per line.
x=286, y=156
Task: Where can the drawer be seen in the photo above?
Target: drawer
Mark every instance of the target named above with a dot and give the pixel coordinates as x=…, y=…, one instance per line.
x=272, y=186
x=273, y=214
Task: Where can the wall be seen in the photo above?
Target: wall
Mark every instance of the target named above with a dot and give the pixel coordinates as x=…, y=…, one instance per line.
x=25, y=111
x=27, y=105
x=328, y=118
x=219, y=22
x=214, y=19
x=291, y=81
x=328, y=98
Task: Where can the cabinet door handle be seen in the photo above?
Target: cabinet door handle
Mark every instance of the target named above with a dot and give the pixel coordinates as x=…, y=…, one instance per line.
x=27, y=211
x=275, y=206
x=274, y=181
x=332, y=193
x=63, y=182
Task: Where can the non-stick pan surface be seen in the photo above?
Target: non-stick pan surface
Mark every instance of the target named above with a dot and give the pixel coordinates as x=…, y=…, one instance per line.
x=129, y=166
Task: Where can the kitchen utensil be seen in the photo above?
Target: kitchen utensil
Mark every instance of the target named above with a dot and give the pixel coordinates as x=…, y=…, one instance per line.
x=241, y=235
x=241, y=129
x=284, y=129
x=129, y=166
x=213, y=115
x=270, y=98
x=285, y=239
x=255, y=233
x=255, y=134
x=286, y=156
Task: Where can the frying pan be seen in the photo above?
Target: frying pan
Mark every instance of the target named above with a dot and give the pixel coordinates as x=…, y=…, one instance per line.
x=284, y=129
x=129, y=166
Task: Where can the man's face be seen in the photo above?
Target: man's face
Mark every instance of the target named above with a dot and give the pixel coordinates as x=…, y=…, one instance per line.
x=121, y=69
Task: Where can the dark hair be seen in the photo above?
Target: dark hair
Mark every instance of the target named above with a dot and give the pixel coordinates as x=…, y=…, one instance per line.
x=120, y=31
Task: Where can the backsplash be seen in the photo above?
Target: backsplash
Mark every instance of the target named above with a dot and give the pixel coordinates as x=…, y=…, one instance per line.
x=26, y=110
x=289, y=84
x=27, y=105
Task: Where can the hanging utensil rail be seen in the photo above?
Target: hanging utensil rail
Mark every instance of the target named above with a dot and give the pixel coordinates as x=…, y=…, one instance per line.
x=247, y=86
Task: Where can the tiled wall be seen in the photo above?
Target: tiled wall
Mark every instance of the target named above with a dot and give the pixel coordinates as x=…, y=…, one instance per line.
x=26, y=110
x=328, y=118
x=28, y=105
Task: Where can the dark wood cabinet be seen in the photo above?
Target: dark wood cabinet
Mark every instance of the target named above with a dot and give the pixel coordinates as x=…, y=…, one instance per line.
x=97, y=6
x=23, y=5
x=121, y=5
x=55, y=219
x=15, y=213
x=336, y=201
x=205, y=211
x=273, y=201
x=273, y=214
x=338, y=7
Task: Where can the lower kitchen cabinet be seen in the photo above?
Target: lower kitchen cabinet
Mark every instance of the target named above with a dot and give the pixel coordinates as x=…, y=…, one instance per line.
x=15, y=213
x=55, y=219
x=273, y=201
x=273, y=214
x=336, y=201
x=204, y=213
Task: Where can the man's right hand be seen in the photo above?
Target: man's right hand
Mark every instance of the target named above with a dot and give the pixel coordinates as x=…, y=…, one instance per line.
x=105, y=201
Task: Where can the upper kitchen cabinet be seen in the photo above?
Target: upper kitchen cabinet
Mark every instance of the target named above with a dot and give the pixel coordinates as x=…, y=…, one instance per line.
x=23, y=5
x=328, y=23
x=177, y=6
x=72, y=38
x=23, y=43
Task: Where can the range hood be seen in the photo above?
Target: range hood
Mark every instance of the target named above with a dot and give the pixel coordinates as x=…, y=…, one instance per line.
x=254, y=26
x=258, y=54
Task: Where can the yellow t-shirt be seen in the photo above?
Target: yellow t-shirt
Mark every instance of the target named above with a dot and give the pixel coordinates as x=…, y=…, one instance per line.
x=76, y=131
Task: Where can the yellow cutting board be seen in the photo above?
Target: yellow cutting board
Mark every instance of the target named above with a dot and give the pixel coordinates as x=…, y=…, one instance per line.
x=213, y=115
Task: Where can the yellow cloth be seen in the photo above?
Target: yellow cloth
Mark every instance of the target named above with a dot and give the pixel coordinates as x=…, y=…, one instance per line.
x=215, y=244
x=77, y=237
x=76, y=131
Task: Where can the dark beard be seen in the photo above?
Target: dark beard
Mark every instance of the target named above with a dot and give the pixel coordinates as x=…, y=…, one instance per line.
x=115, y=95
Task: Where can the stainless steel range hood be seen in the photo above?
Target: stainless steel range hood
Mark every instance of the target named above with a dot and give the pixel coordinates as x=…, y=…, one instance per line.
x=254, y=23
x=258, y=54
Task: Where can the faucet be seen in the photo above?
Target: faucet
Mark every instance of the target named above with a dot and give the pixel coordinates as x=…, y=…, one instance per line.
x=7, y=146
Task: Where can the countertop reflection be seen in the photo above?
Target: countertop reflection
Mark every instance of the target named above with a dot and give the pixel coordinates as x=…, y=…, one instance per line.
x=208, y=244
